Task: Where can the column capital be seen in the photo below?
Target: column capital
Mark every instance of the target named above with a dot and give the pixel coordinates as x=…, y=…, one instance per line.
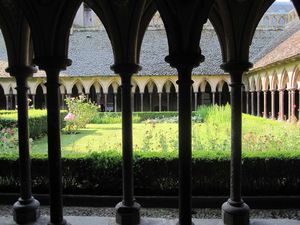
x=52, y=63
x=21, y=71
x=236, y=66
x=126, y=68
x=181, y=60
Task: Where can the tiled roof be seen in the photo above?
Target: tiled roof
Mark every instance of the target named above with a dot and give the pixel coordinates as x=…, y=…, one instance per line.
x=281, y=7
x=91, y=53
x=286, y=46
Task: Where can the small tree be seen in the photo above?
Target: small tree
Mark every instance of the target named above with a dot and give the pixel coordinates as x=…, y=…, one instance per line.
x=81, y=112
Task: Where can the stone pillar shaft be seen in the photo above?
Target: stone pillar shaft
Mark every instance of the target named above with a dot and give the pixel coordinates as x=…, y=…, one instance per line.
x=26, y=209
x=281, y=104
x=168, y=101
x=142, y=102
x=196, y=100
x=273, y=104
x=159, y=101
x=213, y=98
x=265, y=104
x=247, y=103
x=252, y=103
x=54, y=147
x=185, y=144
x=258, y=113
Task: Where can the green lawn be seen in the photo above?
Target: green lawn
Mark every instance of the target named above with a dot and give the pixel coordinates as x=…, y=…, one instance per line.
x=105, y=137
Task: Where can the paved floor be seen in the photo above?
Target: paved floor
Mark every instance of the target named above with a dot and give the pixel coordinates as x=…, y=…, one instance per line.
x=93, y=220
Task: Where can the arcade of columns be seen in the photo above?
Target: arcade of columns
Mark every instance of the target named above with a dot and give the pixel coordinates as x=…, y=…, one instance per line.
x=273, y=92
x=149, y=93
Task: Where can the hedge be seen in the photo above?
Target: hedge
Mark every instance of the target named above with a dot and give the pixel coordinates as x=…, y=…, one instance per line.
x=157, y=174
x=37, y=121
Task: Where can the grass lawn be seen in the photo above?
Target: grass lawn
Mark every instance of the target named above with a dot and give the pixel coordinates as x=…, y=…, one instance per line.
x=105, y=137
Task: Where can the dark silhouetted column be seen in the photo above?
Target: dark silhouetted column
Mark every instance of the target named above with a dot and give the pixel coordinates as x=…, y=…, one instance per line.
x=235, y=211
x=128, y=211
x=273, y=104
x=26, y=209
x=52, y=68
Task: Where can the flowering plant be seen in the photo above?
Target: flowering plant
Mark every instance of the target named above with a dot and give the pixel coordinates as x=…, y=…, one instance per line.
x=81, y=112
x=8, y=138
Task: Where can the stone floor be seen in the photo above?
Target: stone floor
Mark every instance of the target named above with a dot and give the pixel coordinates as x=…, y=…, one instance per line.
x=93, y=220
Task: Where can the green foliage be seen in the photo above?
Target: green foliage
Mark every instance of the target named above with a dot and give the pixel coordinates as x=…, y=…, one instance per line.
x=83, y=112
x=37, y=121
x=8, y=139
x=156, y=173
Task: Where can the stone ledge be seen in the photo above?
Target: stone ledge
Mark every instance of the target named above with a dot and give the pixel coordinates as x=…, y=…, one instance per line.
x=93, y=220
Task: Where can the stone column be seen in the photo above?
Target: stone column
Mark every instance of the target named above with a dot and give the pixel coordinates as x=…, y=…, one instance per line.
x=252, y=103
x=258, y=113
x=16, y=101
x=220, y=98
x=177, y=105
x=26, y=209
x=105, y=102
x=98, y=97
x=7, y=101
x=115, y=102
x=168, y=101
x=185, y=134
x=128, y=210
x=281, y=104
x=235, y=211
x=150, y=101
x=33, y=101
x=132, y=101
x=142, y=102
x=196, y=100
x=293, y=103
x=52, y=67
x=273, y=116
x=213, y=98
x=289, y=106
x=247, y=103
x=265, y=104
x=62, y=103
x=159, y=101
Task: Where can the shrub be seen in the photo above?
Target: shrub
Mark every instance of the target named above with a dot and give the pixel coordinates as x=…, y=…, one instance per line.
x=81, y=111
x=157, y=174
x=37, y=121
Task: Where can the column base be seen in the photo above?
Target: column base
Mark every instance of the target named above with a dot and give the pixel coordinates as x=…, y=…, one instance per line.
x=178, y=223
x=128, y=215
x=64, y=222
x=26, y=211
x=235, y=215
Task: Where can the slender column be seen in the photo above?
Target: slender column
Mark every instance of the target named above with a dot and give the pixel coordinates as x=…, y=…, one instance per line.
x=196, y=100
x=142, y=102
x=177, y=105
x=247, y=102
x=220, y=98
x=98, y=96
x=26, y=209
x=258, y=113
x=33, y=101
x=213, y=98
x=132, y=101
x=54, y=147
x=159, y=101
x=252, y=103
x=235, y=211
x=150, y=101
x=7, y=101
x=281, y=104
x=16, y=100
x=115, y=101
x=105, y=101
x=168, y=101
x=128, y=211
x=265, y=104
x=62, y=103
x=185, y=148
x=273, y=104
x=289, y=106
x=293, y=102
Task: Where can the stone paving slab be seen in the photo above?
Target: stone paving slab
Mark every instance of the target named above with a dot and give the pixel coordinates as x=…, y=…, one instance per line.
x=93, y=220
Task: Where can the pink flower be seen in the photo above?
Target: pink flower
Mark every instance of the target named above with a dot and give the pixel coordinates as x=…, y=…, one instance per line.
x=294, y=106
x=69, y=117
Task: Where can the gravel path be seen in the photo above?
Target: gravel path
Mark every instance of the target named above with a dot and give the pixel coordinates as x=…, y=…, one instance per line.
x=165, y=213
